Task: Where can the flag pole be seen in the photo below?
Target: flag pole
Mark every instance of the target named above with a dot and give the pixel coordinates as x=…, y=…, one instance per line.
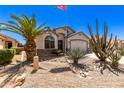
x=63, y=7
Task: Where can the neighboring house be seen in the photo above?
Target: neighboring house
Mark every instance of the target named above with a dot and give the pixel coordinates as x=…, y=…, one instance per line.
x=62, y=38
x=120, y=43
x=7, y=42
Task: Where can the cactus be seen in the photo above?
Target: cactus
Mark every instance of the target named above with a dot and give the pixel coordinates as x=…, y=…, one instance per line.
x=101, y=45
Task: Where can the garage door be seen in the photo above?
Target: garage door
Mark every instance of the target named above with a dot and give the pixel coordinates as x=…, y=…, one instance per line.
x=79, y=44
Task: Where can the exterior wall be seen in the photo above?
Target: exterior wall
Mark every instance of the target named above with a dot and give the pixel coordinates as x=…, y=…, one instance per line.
x=14, y=43
x=120, y=43
x=4, y=40
x=62, y=31
x=2, y=44
x=79, y=37
x=60, y=36
x=40, y=40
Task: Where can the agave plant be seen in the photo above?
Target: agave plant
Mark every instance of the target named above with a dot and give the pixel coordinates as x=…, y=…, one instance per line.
x=100, y=45
x=26, y=27
x=75, y=54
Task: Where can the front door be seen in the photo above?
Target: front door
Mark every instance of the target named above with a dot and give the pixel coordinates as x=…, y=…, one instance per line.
x=9, y=44
x=60, y=44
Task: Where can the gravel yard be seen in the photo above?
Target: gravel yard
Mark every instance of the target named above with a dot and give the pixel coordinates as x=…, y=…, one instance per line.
x=58, y=75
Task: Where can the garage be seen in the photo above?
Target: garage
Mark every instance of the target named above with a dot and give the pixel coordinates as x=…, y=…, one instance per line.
x=83, y=45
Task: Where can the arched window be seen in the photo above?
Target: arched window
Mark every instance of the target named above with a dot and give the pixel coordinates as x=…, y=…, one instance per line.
x=49, y=42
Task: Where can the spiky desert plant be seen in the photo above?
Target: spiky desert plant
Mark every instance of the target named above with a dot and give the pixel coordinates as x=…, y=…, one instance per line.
x=75, y=54
x=100, y=44
x=26, y=27
x=114, y=56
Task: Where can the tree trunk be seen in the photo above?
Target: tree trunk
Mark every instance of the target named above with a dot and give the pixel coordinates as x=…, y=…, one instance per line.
x=30, y=49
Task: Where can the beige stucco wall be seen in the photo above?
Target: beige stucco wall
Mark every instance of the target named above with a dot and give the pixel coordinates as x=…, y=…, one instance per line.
x=40, y=40
x=2, y=42
x=14, y=43
x=64, y=31
x=60, y=36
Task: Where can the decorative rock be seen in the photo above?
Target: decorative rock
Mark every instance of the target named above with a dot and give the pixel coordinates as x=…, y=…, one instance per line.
x=86, y=73
x=68, y=61
x=36, y=62
x=19, y=80
x=23, y=56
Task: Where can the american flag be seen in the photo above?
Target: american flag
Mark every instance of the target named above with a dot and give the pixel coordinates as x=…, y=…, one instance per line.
x=63, y=7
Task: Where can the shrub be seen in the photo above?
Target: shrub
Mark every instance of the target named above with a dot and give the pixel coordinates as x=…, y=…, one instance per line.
x=19, y=49
x=114, y=56
x=100, y=45
x=121, y=51
x=75, y=54
x=6, y=55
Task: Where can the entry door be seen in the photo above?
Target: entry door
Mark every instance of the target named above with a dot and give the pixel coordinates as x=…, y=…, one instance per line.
x=9, y=44
x=60, y=44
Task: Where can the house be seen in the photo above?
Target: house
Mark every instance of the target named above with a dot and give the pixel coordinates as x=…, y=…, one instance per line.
x=7, y=42
x=62, y=38
x=120, y=43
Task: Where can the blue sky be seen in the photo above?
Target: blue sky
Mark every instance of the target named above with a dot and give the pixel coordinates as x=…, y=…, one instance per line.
x=77, y=17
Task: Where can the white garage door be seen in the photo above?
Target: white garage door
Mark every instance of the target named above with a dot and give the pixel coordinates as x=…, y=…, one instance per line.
x=79, y=44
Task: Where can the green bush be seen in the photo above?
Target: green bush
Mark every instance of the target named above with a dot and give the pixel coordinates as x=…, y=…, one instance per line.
x=6, y=55
x=19, y=49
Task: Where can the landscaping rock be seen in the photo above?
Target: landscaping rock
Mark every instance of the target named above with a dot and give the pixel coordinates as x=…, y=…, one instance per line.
x=19, y=80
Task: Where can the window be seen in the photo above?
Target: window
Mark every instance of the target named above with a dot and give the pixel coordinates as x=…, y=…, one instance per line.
x=49, y=42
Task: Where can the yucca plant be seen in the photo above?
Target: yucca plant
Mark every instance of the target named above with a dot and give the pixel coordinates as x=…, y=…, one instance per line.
x=75, y=54
x=26, y=27
x=100, y=45
x=114, y=56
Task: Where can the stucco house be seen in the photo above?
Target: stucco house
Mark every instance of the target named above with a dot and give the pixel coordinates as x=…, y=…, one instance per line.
x=7, y=42
x=120, y=43
x=62, y=38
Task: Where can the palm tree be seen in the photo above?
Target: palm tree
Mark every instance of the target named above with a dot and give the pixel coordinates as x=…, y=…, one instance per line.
x=26, y=27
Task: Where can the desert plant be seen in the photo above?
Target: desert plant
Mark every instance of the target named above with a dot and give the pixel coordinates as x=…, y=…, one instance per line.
x=121, y=51
x=6, y=55
x=114, y=56
x=75, y=54
x=100, y=44
x=26, y=27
